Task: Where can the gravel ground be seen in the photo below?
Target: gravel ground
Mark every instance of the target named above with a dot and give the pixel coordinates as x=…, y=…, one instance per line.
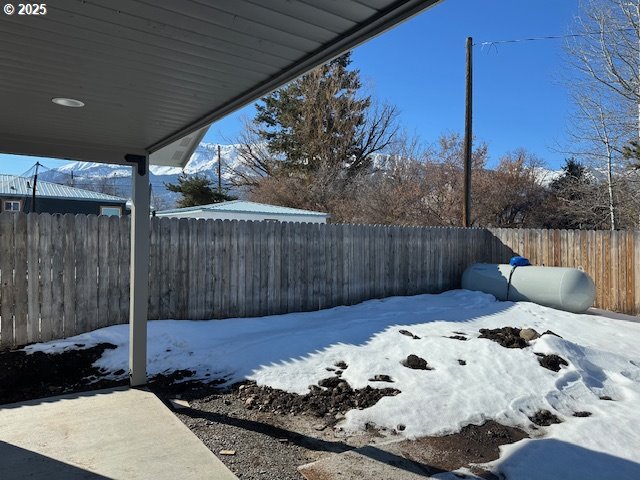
x=270, y=444
x=267, y=446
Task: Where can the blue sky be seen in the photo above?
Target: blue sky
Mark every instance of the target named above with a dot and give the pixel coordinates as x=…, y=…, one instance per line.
x=519, y=98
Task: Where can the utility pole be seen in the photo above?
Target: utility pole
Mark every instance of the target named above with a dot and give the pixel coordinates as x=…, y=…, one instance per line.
x=33, y=194
x=219, y=171
x=468, y=136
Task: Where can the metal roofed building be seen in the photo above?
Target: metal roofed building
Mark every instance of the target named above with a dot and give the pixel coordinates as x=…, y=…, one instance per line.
x=16, y=195
x=245, y=210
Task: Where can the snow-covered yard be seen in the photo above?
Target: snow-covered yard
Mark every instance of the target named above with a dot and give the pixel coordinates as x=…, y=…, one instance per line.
x=293, y=351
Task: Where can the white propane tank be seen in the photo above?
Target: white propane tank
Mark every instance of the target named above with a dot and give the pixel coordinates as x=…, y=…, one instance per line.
x=569, y=289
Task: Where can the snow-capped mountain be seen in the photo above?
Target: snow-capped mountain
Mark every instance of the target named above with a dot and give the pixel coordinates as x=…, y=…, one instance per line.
x=546, y=176
x=116, y=179
x=203, y=160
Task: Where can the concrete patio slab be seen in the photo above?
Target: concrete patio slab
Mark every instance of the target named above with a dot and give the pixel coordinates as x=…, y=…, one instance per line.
x=119, y=433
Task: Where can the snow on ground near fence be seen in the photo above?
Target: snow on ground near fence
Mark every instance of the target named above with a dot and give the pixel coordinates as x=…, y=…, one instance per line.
x=292, y=351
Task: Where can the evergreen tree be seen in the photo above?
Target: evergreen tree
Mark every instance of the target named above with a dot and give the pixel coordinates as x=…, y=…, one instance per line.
x=320, y=121
x=574, y=174
x=197, y=190
x=572, y=199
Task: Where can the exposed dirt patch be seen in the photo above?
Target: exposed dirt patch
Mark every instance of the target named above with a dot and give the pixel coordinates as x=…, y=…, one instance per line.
x=551, y=362
x=38, y=375
x=409, y=334
x=458, y=337
x=28, y=376
x=544, y=418
x=508, y=337
x=416, y=363
x=336, y=399
x=582, y=414
x=473, y=444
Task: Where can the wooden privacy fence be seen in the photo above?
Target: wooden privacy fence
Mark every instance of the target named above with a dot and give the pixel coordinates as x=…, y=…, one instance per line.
x=64, y=275
x=61, y=275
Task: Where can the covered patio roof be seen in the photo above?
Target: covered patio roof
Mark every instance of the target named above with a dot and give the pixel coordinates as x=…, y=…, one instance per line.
x=150, y=73
x=152, y=76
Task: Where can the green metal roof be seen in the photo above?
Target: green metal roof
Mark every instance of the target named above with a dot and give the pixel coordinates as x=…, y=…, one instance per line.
x=13, y=186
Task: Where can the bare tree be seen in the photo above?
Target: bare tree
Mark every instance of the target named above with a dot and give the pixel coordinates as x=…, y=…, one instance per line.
x=606, y=93
x=255, y=162
x=598, y=136
x=606, y=51
x=509, y=194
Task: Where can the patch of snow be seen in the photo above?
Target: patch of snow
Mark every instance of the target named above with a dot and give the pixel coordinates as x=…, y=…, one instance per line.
x=292, y=351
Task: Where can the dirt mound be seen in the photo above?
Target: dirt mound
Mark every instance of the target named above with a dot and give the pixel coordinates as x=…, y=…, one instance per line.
x=551, y=362
x=544, y=418
x=508, y=337
x=409, y=334
x=582, y=414
x=337, y=398
x=38, y=375
x=458, y=337
x=28, y=376
x=416, y=363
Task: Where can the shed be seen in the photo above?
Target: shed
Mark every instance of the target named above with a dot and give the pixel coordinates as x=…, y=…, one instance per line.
x=16, y=195
x=245, y=210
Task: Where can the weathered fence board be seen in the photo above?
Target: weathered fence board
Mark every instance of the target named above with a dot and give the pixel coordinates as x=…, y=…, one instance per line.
x=33, y=275
x=20, y=276
x=46, y=310
x=57, y=276
x=64, y=275
x=7, y=290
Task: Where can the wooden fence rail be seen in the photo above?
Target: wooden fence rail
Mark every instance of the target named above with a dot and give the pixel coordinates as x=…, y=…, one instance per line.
x=61, y=275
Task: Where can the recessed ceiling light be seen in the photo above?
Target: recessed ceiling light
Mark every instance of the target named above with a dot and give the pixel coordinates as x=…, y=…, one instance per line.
x=68, y=102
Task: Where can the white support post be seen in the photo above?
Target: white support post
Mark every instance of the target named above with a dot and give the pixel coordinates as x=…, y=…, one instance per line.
x=139, y=288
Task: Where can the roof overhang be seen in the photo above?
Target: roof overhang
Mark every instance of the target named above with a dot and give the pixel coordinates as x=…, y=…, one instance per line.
x=179, y=152
x=154, y=75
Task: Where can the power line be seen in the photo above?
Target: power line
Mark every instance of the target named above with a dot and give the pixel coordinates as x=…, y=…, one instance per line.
x=493, y=43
